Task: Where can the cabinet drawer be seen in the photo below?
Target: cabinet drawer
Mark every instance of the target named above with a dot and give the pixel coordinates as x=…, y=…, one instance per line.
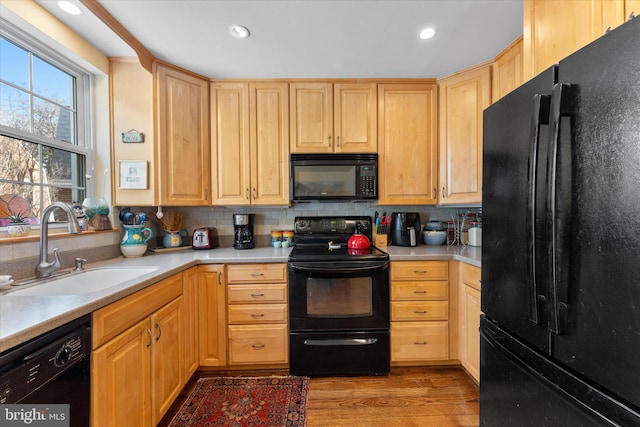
x=419, y=341
x=419, y=291
x=258, y=344
x=257, y=313
x=257, y=273
x=420, y=270
x=109, y=321
x=471, y=275
x=251, y=294
x=415, y=311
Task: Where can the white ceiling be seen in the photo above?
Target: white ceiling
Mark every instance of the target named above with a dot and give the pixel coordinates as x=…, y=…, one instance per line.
x=308, y=38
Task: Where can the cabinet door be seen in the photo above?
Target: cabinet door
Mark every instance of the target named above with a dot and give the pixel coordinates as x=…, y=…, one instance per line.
x=507, y=70
x=556, y=29
x=212, y=315
x=463, y=97
x=120, y=377
x=631, y=7
x=355, y=117
x=182, y=123
x=311, y=117
x=471, y=347
x=166, y=357
x=269, y=135
x=230, y=153
x=407, y=144
x=190, y=325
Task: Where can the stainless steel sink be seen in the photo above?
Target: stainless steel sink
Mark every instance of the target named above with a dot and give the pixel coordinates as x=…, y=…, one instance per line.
x=84, y=282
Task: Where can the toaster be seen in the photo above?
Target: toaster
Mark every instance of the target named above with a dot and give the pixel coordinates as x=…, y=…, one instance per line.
x=205, y=238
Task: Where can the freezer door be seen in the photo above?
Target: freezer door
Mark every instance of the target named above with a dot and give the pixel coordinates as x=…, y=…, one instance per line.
x=521, y=387
x=593, y=218
x=514, y=266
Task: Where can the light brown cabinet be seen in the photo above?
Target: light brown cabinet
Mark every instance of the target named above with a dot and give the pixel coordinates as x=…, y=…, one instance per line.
x=555, y=29
x=182, y=137
x=212, y=321
x=507, y=70
x=190, y=332
x=137, y=359
x=338, y=117
x=250, y=143
x=419, y=311
x=407, y=143
x=470, y=319
x=463, y=97
x=257, y=314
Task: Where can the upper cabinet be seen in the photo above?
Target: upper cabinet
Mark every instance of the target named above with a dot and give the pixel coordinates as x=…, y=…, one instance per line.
x=555, y=29
x=328, y=118
x=631, y=8
x=250, y=143
x=507, y=70
x=182, y=137
x=463, y=97
x=407, y=153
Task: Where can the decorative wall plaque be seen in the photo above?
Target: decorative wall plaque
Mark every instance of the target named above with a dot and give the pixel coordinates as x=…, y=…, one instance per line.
x=132, y=136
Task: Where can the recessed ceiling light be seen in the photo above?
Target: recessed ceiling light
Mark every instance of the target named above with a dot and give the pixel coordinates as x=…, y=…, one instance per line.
x=427, y=33
x=238, y=31
x=69, y=7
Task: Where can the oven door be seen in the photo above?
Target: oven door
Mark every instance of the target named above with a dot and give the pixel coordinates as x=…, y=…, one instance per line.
x=338, y=296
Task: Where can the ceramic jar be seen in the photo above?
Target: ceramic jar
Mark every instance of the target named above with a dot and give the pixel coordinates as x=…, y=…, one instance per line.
x=174, y=239
x=134, y=241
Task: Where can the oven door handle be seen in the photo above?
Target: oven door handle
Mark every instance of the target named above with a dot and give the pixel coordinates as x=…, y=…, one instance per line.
x=338, y=267
x=340, y=341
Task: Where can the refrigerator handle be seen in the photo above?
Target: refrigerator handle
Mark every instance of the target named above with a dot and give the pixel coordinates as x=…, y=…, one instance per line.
x=540, y=116
x=558, y=205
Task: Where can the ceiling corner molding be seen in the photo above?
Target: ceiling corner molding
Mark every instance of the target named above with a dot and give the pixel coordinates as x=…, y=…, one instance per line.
x=144, y=56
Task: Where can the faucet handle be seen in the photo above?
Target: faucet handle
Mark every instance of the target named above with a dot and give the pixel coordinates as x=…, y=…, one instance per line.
x=79, y=264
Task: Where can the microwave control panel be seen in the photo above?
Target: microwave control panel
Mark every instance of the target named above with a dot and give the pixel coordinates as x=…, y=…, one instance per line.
x=368, y=183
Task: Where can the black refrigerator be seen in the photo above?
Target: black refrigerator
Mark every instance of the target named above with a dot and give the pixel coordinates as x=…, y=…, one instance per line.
x=560, y=333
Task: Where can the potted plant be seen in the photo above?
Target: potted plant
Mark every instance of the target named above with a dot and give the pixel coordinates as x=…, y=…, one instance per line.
x=17, y=226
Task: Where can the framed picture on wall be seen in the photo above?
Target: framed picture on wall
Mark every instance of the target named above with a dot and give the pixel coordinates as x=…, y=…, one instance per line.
x=133, y=175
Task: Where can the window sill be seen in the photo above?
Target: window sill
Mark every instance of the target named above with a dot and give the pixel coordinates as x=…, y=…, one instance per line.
x=35, y=236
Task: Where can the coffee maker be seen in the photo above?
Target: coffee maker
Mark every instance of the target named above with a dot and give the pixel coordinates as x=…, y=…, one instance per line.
x=243, y=231
x=405, y=228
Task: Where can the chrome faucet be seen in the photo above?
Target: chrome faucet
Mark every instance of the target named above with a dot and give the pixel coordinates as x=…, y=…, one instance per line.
x=44, y=267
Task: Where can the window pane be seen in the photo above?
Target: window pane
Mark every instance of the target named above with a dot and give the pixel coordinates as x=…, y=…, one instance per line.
x=14, y=64
x=64, y=169
x=14, y=108
x=52, y=83
x=52, y=121
x=18, y=161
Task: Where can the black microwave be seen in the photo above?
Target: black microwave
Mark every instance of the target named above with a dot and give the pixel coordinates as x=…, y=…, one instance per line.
x=333, y=177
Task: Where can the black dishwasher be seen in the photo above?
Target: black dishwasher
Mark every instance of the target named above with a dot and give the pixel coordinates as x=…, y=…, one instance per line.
x=53, y=368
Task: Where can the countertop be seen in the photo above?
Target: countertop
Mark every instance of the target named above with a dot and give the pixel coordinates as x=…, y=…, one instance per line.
x=25, y=317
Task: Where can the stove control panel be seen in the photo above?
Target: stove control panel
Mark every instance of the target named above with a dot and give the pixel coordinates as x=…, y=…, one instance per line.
x=332, y=225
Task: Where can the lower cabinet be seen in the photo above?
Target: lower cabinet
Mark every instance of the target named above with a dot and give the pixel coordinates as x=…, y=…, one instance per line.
x=257, y=314
x=470, y=319
x=137, y=371
x=191, y=356
x=419, y=312
x=212, y=309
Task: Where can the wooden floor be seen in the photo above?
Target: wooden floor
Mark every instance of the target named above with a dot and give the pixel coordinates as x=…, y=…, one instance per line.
x=425, y=396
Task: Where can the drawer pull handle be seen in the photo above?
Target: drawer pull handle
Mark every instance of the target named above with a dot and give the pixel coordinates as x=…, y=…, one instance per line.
x=150, y=337
x=159, y=332
x=419, y=292
x=257, y=316
x=257, y=346
x=257, y=274
x=257, y=295
x=420, y=312
x=420, y=343
x=420, y=271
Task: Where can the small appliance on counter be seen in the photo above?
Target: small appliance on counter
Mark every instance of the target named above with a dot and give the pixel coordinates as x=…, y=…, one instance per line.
x=434, y=233
x=405, y=228
x=205, y=238
x=243, y=231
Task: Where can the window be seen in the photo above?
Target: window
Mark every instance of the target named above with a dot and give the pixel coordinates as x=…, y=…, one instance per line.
x=44, y=124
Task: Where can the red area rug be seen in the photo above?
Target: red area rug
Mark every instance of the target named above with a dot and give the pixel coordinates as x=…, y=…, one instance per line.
x=245, y=401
